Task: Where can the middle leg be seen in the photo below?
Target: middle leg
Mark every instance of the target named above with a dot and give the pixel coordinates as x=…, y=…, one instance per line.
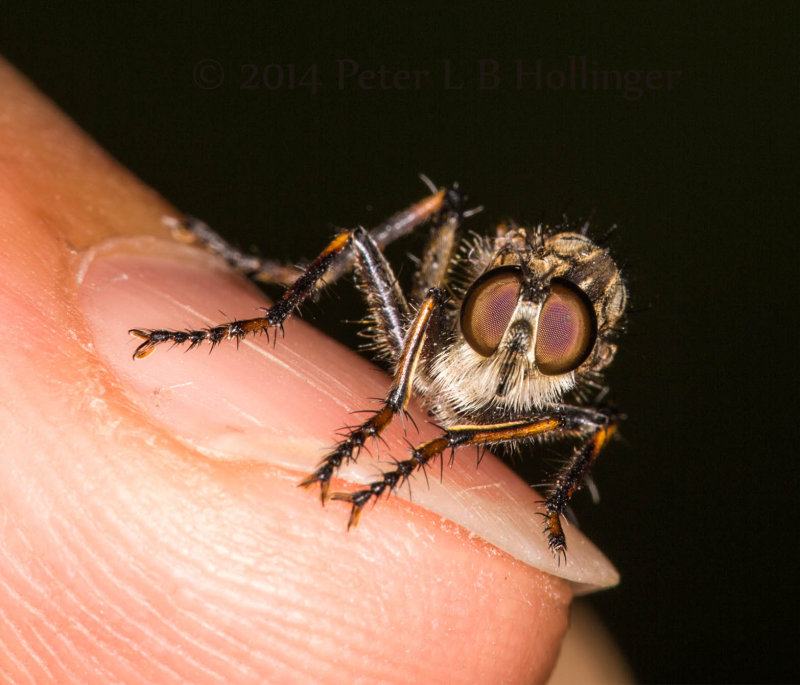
x=396, y=400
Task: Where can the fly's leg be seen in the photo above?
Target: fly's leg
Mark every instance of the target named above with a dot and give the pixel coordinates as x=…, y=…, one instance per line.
x=191, y=230
x=441, y=246
x=570, y=477
x=396, y=400
x=567, y=420
x=453, y=437
x=334, y=260
x=389, y=315
x=388, y=312
x=237, y=330
x=400, y=225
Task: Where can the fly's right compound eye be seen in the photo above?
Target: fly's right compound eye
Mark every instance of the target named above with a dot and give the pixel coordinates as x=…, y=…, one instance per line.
x=488, y=307
x=567, y=329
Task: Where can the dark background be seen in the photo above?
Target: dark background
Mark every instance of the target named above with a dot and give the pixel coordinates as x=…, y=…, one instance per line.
x=698, y=508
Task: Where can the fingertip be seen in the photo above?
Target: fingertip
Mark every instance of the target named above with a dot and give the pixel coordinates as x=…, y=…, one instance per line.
x=151, y=539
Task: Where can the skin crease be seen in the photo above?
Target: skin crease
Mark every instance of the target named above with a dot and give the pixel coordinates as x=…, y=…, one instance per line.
x=128, y=554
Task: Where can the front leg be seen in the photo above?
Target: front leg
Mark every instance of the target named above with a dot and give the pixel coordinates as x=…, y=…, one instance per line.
x=599, y=426
x=237, y=330
x=334, y=260
x=395, y=402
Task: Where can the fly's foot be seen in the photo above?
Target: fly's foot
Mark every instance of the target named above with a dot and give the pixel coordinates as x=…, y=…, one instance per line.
x=345, y=452
x=349, y=448
x=556, y=540
x=235, y=330
x=357, y=500
x=388, y=482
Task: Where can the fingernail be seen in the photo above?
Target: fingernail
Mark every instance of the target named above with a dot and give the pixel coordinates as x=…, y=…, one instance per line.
x=246, y=403
x=283, y=401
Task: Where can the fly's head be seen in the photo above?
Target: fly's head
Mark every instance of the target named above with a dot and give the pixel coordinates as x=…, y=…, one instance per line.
x=537, y=321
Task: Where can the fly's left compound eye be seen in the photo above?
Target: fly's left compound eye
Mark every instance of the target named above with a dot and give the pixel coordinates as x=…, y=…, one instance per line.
x=566, y=331
x=488, y=307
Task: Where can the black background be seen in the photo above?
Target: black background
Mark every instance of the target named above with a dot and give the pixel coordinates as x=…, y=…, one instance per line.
x=698, y=510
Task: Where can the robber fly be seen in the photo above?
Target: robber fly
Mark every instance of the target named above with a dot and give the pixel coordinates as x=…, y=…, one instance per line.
x=503, y=338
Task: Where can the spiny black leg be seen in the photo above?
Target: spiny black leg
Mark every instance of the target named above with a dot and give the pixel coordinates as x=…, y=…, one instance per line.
x=236, y=330
x=453, y=437
x=388, y=310
x=562, y=420
x=334, y=260
x=395, y=402
x=420, y=456
x=441, y=245
x=348, y=449
x=189, y=229
x=397, y=226
x=569, y=479
x=387, y=306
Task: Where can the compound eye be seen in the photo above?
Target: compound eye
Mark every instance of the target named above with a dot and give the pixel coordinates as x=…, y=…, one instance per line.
x=566, y=331
x=488, y=307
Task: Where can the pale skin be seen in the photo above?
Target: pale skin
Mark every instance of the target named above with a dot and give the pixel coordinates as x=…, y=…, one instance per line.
x=152, y=527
